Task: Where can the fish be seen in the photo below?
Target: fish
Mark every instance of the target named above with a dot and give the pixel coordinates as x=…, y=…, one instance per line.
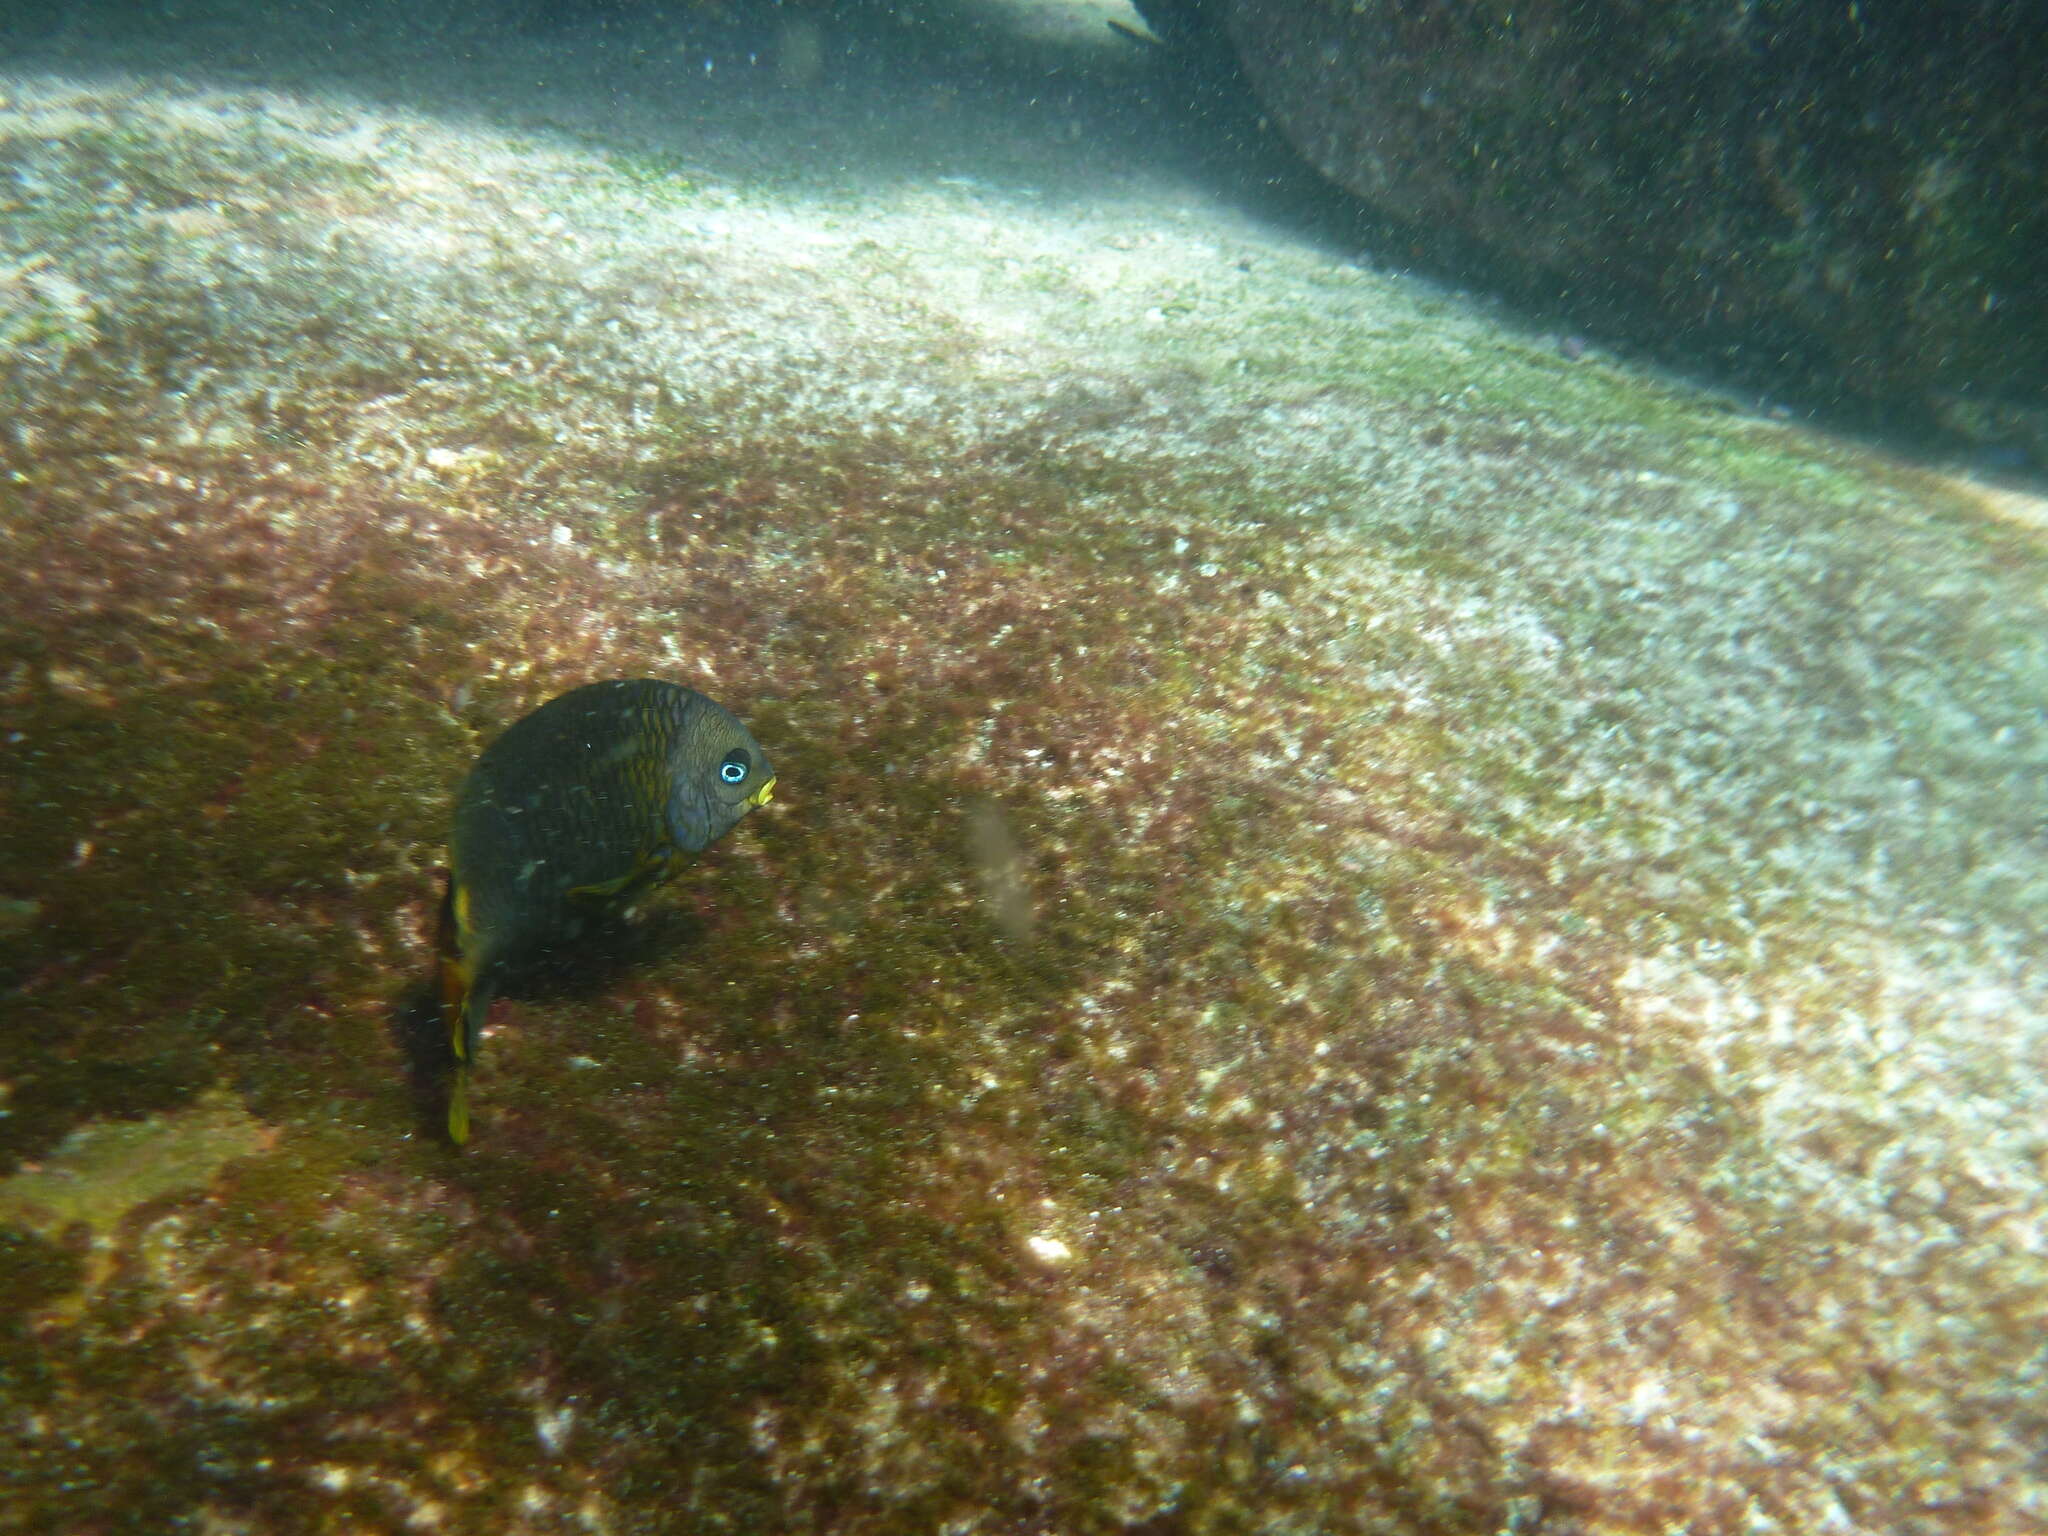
x=579, y=807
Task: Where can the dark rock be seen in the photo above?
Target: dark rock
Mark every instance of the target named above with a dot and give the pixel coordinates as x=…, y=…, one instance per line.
x=1849, y=191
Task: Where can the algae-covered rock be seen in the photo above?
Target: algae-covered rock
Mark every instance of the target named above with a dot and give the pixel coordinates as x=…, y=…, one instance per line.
x=1850, y=193
x=1365, y=929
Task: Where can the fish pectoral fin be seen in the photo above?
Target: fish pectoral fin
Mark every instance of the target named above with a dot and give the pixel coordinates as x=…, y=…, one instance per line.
x=652, y=867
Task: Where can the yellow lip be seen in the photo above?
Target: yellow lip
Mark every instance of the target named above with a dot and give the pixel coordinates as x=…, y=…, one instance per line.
x=762, y=795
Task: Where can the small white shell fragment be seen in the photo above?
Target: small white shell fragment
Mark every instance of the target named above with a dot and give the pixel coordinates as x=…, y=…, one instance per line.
x=1048, y=1250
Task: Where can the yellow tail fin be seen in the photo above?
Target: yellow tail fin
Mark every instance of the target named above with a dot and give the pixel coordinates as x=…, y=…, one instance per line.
x=458, y=1106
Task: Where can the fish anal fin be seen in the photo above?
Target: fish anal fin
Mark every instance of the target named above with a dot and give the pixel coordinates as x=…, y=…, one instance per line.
x=458, y=1105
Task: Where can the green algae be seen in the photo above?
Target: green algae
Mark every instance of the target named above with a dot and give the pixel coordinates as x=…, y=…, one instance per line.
x=34, y=1270
x=665, y=180
x=103, y=1170
x=134, y=161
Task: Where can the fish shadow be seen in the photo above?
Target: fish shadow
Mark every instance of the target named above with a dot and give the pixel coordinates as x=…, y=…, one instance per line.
x=607, y=949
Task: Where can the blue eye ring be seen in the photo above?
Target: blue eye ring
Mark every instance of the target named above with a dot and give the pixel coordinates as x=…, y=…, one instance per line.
x=735, y=767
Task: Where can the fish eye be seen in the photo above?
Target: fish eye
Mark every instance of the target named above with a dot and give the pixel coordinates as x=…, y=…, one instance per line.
x=734, y=769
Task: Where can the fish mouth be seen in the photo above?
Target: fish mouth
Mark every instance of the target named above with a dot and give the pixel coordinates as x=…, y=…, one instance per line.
x=764, y=794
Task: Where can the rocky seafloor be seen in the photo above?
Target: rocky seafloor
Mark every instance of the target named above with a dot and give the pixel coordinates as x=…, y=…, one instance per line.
x=1368, y=927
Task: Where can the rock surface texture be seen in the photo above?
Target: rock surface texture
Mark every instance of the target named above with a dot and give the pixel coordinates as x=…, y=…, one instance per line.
x=1853, y=190
x=1370, y=929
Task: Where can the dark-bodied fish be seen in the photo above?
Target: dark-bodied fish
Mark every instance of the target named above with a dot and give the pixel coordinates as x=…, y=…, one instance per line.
x=590, y=800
